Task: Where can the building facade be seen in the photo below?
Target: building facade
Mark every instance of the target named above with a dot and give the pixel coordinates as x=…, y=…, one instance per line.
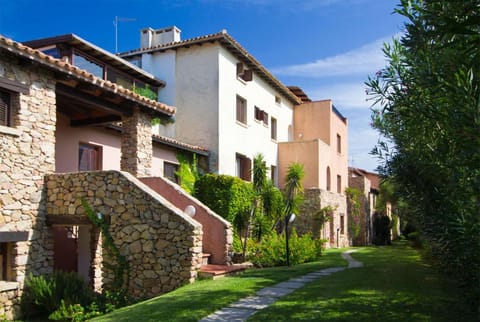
x=320, y=143
x=59, y=147
x=227, y=101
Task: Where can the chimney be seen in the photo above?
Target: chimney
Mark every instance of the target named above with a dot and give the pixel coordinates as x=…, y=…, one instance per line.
x=151, y=38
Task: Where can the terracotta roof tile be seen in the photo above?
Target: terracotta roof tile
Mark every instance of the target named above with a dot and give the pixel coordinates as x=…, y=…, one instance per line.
x=176, y=143
x=61, y=66
x=232, y=45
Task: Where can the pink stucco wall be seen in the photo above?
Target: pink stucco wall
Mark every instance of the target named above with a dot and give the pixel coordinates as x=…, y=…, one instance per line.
x=217, y=232
x=68, y=138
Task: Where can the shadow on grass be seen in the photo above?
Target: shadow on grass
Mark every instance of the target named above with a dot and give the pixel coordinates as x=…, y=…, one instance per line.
x=195, y=301
x=393, y=285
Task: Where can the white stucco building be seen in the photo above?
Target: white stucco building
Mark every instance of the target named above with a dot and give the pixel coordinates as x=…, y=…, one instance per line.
x=226, y=100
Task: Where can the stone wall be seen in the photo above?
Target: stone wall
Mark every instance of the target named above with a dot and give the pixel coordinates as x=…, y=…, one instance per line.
x=27, y=153
x=137, y=149
x=365, y=235
x=162, y=245
x=307, y=221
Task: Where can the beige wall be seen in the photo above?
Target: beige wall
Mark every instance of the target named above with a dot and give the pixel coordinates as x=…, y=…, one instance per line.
x=305, y=153
x=316, y=126
x=312, y=121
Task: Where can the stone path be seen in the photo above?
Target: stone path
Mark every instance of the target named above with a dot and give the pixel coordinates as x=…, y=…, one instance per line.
x=241, y=310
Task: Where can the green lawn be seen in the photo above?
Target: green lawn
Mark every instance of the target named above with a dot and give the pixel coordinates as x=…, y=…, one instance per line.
x=194, y=301
x=394, y=285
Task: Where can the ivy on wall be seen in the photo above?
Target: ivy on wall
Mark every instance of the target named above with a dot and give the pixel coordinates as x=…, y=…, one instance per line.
x=121, y=267
x=354, y=196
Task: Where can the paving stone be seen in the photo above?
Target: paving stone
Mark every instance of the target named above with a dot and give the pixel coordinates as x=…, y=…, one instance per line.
x=230, y=315
x=275, y=291
x=304, y=279
x=290, y=284
x=244, y=308
x=254, y=302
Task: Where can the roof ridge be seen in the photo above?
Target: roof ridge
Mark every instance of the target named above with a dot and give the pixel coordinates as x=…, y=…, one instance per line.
x=34, y=54
x=223, y=34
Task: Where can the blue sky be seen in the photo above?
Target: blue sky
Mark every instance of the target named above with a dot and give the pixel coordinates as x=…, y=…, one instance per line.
x=327, y=47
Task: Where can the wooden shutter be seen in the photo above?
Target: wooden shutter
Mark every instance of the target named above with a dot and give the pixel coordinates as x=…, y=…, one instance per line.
x=4, y=108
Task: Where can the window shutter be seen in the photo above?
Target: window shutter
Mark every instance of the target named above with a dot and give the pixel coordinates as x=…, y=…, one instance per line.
x=239, y=69
x=4, y=105
x=247, y=75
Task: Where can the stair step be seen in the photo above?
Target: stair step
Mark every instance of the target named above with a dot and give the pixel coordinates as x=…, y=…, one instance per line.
x=205, y=258
x=218, y=271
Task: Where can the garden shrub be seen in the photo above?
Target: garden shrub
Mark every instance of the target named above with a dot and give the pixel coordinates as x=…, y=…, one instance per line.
x=47, y=293
x=226, y=195
x=271, y=250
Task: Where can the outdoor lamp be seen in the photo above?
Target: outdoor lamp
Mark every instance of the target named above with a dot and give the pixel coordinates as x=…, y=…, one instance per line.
x=190, y=210
x=292, y=218
x=99, y=215
x=288, y=220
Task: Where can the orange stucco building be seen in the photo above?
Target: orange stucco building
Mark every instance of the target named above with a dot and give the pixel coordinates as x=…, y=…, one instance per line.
x=320, y=143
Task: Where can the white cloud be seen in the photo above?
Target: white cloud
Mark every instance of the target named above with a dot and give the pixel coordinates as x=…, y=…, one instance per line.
x=363, y=61
x=360, y=143
x=344, y=95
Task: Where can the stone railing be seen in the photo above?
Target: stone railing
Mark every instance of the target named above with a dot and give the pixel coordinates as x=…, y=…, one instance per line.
x=217, y=232
x=162, y=245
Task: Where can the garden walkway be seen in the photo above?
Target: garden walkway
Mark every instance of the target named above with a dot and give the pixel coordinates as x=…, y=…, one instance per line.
x=244, y=308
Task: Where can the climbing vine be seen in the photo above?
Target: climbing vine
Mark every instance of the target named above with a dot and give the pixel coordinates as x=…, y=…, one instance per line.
x=121, y=268
x=354, y=199
x=323, y=215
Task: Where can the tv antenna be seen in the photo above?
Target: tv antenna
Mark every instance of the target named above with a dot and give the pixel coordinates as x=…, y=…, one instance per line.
x=115, y=24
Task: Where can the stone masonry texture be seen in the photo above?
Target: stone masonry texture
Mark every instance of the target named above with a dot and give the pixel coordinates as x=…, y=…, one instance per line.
x=162, y=246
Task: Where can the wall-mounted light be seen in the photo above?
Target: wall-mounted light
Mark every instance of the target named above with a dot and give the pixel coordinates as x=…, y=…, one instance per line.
x=99, y=215
x=190, y=210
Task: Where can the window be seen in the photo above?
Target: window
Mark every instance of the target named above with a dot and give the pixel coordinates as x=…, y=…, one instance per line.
x=10, y=100
x=339, y=143
x=342, y=224
x=52, y=51
x=339, y=184
x=241, y=110
x=89, y=157
x=261, y=115
x=258, y=114
x=273, y=175
x=4, y=261
x=265, y=118
x=5, y=108
x=273, y=129
x=119, y=79
x=243, y=167
x=88, y=65
x=169, y=171
x=329, y=187
x=244, y=73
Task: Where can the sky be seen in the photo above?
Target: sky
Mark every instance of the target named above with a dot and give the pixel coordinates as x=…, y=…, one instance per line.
x=326, y=47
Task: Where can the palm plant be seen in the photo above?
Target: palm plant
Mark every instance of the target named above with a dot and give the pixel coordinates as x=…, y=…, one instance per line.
x=293, y=190
x=259, y=183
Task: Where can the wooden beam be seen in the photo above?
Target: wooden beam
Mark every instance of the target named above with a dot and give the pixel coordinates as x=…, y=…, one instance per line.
x=95, y=120
x=93, y=101
x=68, y=220
x=13, y=236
